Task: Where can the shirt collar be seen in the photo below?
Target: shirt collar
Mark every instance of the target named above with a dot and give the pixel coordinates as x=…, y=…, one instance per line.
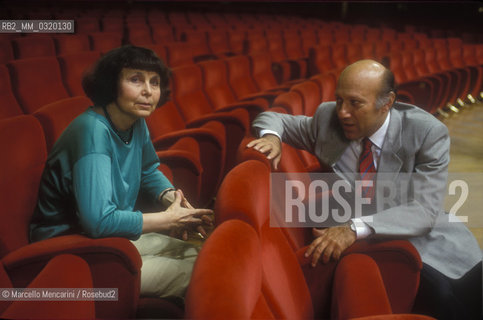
x=378, y=137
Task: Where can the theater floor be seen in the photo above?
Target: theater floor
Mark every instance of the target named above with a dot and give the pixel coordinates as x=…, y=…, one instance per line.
x=466, y=131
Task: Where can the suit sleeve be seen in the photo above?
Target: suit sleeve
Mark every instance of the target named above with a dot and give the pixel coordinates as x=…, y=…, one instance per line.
x=298, y=131
x=426, y=193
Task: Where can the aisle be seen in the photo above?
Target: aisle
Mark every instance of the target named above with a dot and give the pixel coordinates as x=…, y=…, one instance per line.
x=466, y=131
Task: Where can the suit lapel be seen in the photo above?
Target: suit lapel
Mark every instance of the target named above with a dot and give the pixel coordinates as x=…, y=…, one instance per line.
x=390, y=162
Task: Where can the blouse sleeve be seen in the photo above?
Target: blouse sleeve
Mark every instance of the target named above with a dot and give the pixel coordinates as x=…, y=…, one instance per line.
x=98, y=215
x=153, y=181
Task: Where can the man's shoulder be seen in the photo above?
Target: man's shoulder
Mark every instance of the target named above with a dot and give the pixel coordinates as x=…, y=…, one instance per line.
x=412, y=115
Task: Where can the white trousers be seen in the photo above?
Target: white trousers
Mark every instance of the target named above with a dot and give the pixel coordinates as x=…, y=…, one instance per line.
x=167, y=264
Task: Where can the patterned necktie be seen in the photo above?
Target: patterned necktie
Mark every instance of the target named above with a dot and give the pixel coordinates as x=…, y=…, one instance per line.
x=367, y=169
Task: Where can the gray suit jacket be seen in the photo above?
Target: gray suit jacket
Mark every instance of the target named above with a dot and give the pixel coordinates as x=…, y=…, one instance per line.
x=416, y=143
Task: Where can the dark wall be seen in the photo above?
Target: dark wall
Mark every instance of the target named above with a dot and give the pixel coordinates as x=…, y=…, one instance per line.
x=452, y=17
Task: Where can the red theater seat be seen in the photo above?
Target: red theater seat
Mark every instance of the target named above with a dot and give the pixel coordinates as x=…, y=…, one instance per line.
x=287, y=299
x=105, y=41
x=64, y=271
x=139, y=34
x=290, y=101
x=87, y=25
x=162, y=32
x=218, y=42
x=110, y=259
x=229, y=264
x=310, y=93
x=242, y=83
x=327, y=83
x=74, y=66
x=30, y=47
x=55, y=117
x=295, y=53
x=398, y=261
x=236, y=41
x=67, y=44
x=37, y=82
x=194, y=106
x=263, y=75
x=114, y=24
x=166, y=127
x=179, y=54
x=219, y=93
x=309, y=40
x=6, y=51
x=320, y=60
x=9, y=106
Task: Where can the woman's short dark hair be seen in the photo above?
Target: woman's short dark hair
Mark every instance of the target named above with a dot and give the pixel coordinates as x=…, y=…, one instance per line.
x=101, y=83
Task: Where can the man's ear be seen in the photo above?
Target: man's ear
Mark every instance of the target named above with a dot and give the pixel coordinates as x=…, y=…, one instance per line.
x=391, y=97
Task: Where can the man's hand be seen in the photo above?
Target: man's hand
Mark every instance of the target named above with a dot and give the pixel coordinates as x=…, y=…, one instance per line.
x=330, y=243
x=270, y=145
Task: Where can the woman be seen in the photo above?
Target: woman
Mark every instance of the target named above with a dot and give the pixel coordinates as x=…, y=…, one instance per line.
x=105, y=159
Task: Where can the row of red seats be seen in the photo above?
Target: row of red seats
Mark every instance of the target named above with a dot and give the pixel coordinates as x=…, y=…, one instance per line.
x=113, y=262
x=431, y=75
x=218, y=85
x=48, y=46
x=216, y=41
x=264, y=271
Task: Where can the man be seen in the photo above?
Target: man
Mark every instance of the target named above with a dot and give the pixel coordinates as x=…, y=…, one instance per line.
x=400, y=138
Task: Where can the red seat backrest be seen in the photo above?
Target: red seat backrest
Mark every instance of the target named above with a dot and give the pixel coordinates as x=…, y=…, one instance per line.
x=33, y=46
x=74, y=66
x=236, y=40
x=22, y=164
x=67, y=44
x=309, y=40
x=87, y=25
x=164, y=120
x=256, y=44
x=310, y=93
x=320, y=59
x=188, y=94
x=162, y=32
x=293, y=44
x=105, y=41
x=290, y=298
x=228, y=265
x=139, y=34
x=218, y=41
x=327, y=83
x=9, y=106
x=239, y=76
x=56, y=116
x=261, y=66
x=290, y=101
x=6, y=51
x=215, y=83
x=37, y=82
x=276, y=47
x=179, y=54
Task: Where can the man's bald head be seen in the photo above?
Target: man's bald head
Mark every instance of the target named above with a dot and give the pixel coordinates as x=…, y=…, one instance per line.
x=367, y=72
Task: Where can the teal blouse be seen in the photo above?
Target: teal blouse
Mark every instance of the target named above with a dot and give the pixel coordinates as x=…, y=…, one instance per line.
x=92, y=180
